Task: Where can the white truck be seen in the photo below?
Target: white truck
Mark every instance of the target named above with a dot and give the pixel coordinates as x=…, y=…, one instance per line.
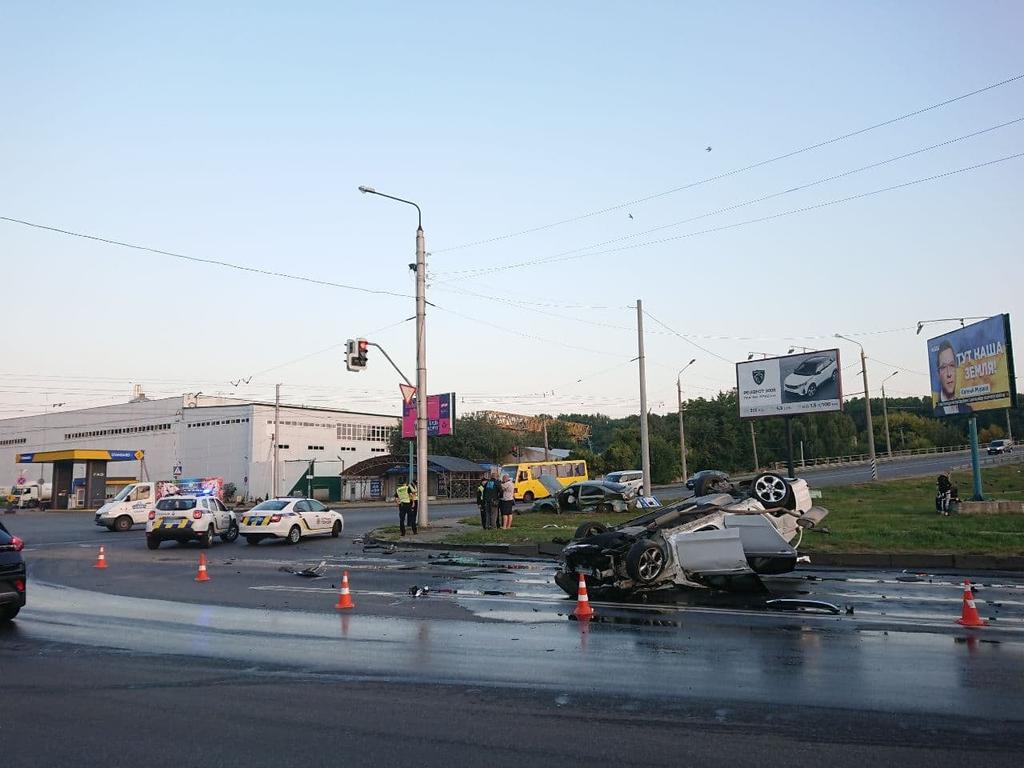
x=24, y=495
x=132, y=504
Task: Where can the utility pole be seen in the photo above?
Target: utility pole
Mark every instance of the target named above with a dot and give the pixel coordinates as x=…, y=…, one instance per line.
x=867, y=405
x=682, y=433
x=547, y=451
x=277, y=438
x=1009, y=427
x=753, y=442
x=645, y=440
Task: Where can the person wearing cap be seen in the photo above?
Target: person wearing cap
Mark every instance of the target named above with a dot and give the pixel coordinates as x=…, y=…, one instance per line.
x=508, y=495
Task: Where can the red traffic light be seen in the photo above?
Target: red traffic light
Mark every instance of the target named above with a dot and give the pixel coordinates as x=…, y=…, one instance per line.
x=363, y=346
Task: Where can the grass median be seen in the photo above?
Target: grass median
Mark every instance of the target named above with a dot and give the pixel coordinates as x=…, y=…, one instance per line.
x=892, y=516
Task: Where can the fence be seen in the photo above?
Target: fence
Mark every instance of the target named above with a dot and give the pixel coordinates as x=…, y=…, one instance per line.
x=858, y=458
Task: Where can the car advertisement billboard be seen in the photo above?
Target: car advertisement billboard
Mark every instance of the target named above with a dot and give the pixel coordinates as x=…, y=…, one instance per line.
x=790, y=385
x=440, y=415
x=971, y=368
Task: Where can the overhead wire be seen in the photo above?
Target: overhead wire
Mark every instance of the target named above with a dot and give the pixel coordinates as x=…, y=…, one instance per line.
x=735, y=171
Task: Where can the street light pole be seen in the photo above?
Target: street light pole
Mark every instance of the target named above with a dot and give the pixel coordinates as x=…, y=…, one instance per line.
x=867, y=406
x=885, y=415
x=682, y=434
x=422, y=483
x=645, y=441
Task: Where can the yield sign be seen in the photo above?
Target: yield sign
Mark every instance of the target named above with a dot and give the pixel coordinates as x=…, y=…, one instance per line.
x=408, y=392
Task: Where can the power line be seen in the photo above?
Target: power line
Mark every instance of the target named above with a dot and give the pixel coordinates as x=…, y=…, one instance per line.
x=759, y=164
x=470, y=273
x=213, y=262
x=688, y=341
x=760, y=219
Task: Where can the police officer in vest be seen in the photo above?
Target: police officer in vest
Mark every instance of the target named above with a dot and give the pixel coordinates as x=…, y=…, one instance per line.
x=406, y=496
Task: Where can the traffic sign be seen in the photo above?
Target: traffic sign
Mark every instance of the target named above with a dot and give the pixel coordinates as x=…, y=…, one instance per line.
x=408, y=392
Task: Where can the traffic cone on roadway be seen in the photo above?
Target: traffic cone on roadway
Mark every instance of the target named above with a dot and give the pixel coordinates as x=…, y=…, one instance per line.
x=344, y=597
x=583, y=608
x=101, y=558
x=969, y=616
x=202, y=575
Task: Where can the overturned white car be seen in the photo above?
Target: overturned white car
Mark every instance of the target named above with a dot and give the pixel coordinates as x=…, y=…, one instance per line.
x=723, y=539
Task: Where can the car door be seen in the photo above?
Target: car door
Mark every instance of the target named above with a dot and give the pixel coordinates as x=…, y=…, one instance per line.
x=590, y=497
x=221, y=513
x=322, y=514
x=305, y=511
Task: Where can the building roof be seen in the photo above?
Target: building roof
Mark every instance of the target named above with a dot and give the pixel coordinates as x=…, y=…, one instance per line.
x=395, y=465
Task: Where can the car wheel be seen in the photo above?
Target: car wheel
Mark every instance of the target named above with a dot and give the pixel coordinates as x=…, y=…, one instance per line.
x=772, y=490
x=8, y=612
x=231, y=534
x=835, y=375
x=336, y=529
x=122, y=524
x=152, y=542
x=645, y=562
x=252, y=540
x=528, y=497
x=293, y=535
x=811, y=389
x=206, y=539
x=589, y=529
x=709, y=484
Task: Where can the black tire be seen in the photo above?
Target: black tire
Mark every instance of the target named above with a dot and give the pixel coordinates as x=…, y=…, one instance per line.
x=835, y=375
x=336, y=529
x=122, y=524
x=709, y=484
x=152, y=542
x=231, y=534
x=254, y=540
x=812, y=388
x=294, y=534
x=8, y=612
x=206, y=540
x=589, y=528
x=528, y=497
x=646, y=561
x=772, y=490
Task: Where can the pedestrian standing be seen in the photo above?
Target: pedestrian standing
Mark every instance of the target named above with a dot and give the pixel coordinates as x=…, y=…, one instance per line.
x=404, y=495
x=480, y=503
x=508, y=495
x=492, y=493
x=414, y=513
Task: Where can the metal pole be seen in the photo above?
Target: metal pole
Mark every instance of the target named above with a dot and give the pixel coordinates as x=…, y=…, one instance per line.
x=753, y=442
x=789, y=447
x=422, y=478
x=1009, y=428
x=885, y=417
x=867, y=408
x=682, y=434
x=277, y=437
x=547, y=450
x=645, y=443
x=975, y=460
x=802, y=462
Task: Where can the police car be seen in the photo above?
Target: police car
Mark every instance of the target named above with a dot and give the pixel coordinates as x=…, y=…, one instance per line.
x=290, y=519
x=182, y=518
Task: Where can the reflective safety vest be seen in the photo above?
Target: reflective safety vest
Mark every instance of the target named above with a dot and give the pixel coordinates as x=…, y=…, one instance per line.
x=403, y=494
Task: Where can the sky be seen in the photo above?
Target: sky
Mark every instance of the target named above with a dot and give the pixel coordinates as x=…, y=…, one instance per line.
x=543, y=142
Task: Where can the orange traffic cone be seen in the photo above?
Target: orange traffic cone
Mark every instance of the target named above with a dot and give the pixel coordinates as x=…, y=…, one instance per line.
x=202, y=575
x=101, y=558
x=583, y=608
x=969, y=617
x=344, y=597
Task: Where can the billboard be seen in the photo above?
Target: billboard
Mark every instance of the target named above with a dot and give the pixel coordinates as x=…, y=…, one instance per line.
x=810, y=382
x=971, y=368
x=440, y=415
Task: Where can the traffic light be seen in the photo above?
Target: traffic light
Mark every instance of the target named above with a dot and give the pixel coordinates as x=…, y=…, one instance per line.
x=355, y=354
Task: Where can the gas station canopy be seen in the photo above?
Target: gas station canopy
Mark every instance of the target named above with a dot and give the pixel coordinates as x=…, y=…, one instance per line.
x=95, y=460
x=78, y=454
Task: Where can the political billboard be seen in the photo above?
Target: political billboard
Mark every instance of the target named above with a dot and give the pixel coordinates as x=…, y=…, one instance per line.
x=971, y=368
x=790, y=385
x=440, y=415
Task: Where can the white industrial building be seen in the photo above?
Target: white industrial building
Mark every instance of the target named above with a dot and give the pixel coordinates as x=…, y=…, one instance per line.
x=202, y=437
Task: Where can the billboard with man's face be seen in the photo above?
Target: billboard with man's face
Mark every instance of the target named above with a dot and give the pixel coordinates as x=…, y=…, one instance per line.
x=790, y=385
x=971, y=368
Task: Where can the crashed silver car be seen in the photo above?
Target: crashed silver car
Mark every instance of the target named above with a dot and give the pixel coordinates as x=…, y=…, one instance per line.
x=725, y=540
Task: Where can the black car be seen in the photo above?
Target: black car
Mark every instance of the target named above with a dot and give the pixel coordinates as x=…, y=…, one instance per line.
x=585, y=496
x=12, y=575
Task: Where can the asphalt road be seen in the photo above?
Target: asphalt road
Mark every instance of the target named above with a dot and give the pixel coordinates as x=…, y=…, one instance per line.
x=140, y=664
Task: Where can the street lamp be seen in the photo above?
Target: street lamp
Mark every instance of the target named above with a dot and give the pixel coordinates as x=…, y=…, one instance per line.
x=764, y=355
x=885, y=415
x=867, y=405
x=682, y=434
x=422, y=517
x=795, y=347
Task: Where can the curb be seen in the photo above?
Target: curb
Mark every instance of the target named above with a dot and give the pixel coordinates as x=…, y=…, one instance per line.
x=866, y=560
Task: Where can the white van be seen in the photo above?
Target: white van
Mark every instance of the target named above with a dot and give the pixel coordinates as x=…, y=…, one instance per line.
x=634, y=478
x=132, y=504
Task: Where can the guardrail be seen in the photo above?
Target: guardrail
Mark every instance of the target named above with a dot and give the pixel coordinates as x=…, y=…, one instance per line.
x=880, y=456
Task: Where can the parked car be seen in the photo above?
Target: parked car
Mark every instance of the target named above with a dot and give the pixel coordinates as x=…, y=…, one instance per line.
x=13, y=578
x=1000, y=446
x=634, y=478
x=183, y=518
x=722, y=540
x=808, y=377
x=587, y=496
x=290, y=519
